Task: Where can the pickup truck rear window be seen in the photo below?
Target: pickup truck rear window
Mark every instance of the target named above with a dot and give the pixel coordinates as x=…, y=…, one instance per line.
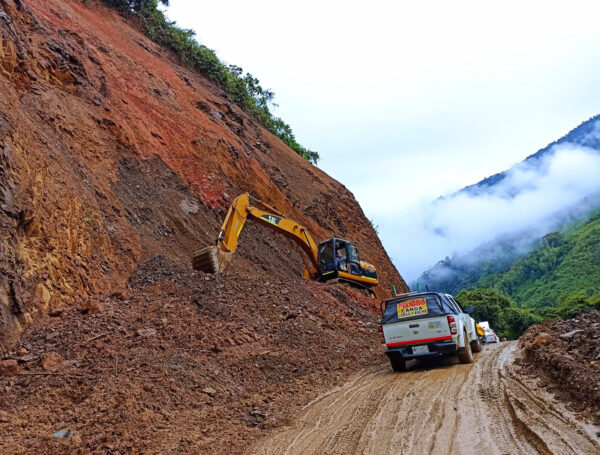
x=411, y=308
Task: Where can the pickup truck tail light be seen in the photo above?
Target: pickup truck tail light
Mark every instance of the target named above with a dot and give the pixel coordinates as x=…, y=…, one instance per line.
x=380, y=330
x=452, y=325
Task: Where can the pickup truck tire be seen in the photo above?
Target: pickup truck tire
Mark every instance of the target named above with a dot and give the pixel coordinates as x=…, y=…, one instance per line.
x=476, y=345
x=398, y=363
x=465, y=355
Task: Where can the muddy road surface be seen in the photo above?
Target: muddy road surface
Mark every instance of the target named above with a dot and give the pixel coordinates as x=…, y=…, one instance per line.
x=438, y=408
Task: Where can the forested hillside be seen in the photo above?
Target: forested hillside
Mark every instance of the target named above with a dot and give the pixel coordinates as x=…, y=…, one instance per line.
x=547, y=192
x=564, y=264
x=557, y=280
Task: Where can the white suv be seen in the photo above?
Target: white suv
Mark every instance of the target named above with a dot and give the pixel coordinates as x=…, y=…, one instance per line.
x=427, y=324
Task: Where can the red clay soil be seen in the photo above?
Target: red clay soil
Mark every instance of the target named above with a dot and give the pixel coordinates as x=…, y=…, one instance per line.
x=566, y=354
x=92, y=112
x=116, y=163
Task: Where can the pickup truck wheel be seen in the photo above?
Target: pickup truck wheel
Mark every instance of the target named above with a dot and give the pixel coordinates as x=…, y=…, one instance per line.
x=465, y=355
x=476, y=345
x=398, y=363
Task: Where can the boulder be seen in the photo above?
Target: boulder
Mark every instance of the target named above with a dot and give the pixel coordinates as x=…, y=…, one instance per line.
x=148, y=332
x=9, y=367
x=51, y=360
x=55, y=311
x=92, y=306
x=209, y=391
x=570, y=334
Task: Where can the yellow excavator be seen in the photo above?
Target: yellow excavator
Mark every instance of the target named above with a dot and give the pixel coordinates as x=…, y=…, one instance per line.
x=331, y=259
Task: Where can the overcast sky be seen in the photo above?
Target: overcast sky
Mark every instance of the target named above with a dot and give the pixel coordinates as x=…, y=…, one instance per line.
x=407, y=101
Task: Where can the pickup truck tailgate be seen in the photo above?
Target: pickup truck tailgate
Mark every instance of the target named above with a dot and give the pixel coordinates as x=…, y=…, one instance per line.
x=426, y=330
x=415, y=320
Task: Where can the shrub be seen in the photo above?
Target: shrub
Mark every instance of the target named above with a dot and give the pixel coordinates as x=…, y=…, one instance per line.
x=571, y=306
x=501, y=312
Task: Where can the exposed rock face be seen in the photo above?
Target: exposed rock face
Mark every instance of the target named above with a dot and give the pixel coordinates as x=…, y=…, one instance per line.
x=8, y=58
x=111, y=153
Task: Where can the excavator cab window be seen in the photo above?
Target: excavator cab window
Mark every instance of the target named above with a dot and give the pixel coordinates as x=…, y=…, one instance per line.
x=353, y=259
x=336, y=256
x=326, y=257
x=352, y=253
x=341, y=256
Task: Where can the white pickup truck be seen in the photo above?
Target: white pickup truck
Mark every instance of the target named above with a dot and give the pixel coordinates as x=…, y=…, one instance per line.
x=426, y=324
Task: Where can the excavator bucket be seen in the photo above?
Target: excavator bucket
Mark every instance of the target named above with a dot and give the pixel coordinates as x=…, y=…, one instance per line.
x=210, y=259
x=206, y=260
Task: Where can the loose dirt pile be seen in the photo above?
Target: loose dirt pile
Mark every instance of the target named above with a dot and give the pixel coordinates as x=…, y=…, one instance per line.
x=182, y=362
x=567, y=355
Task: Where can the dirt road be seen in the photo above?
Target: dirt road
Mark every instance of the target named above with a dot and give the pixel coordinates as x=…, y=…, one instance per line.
x=418, y=412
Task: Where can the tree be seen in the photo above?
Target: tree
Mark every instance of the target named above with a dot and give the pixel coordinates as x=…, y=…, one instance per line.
x=500, y=311
x=514, y=321
x=135, y=6
x=487, y=304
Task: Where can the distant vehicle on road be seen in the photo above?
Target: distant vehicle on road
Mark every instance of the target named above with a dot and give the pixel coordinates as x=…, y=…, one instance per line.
x=490, y=337
x=421, y=325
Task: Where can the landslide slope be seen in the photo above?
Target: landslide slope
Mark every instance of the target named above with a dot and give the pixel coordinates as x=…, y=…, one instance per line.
x=112, y=153
x=116, y=163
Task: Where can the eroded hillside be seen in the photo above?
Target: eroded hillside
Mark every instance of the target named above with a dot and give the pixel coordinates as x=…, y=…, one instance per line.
x=116, y=163
x=112, y=153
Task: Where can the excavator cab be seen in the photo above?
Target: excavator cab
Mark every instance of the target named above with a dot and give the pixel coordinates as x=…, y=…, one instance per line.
x=338, y=258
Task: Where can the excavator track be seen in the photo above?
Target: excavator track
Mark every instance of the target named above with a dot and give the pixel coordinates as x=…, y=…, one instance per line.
x=353, y=284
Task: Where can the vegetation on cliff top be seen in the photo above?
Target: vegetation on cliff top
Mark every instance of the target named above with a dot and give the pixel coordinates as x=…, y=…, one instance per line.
x=244, y=90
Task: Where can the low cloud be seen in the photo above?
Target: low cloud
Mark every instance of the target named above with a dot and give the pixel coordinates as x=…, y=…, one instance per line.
x=533, y=198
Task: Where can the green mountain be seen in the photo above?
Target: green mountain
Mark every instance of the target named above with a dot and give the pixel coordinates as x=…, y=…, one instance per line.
x=564, y=264
x=463, y=269
x=558, y=279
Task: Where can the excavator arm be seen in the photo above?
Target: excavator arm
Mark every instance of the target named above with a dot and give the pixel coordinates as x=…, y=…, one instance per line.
x=214, y=259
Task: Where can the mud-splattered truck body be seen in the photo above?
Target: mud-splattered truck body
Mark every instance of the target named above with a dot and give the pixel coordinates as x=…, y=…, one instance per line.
x=428, y=324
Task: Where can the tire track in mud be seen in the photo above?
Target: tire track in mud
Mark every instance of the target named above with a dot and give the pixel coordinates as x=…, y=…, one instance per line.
x=436, y=408
x=485, y=414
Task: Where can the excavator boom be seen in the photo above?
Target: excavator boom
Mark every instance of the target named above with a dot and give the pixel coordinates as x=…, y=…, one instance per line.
x=331, y=259
x=214, y=259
